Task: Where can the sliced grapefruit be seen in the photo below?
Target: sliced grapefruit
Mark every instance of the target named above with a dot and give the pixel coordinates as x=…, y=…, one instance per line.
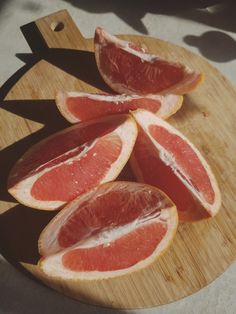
x=129, y=70
x=72, y=161
x=112, y=230
x=78, y=106
x=165, y=158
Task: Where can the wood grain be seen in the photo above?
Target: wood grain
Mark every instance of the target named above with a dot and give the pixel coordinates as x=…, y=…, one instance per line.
x=201, y=251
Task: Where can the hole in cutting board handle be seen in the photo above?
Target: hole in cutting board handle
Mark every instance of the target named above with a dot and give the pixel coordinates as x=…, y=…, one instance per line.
x=58, y=30
x=57, y=26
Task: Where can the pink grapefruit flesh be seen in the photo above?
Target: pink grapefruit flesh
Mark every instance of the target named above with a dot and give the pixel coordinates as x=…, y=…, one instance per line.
x=72, y=161
x=112, y=230
x=55, y=147
x=131, y=71
x=165, y=158
x=186, y=158
x=78, y=106
x=124, y=248
x=106, y=150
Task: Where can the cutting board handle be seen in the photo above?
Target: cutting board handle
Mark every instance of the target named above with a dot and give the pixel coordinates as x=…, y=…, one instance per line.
x=59, y=31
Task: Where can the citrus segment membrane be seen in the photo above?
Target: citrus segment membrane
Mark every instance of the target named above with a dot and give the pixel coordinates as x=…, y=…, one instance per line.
x=191, y=168
x=149, y=168
x=117, y=61
x=178, y=167
x=89, y=167
x=78, y=106
x=118, y=226
x=69, y=166
x=124, y=249
x=131, y=71
x=55, y=148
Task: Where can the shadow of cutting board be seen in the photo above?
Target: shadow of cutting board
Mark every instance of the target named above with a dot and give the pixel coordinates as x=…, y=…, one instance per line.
x=62, y=59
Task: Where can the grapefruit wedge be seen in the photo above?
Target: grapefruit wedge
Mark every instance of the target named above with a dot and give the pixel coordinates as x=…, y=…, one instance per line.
x=128, y=69
x=112, y=230
x=165, y=158
x=72, y=161
x=78, y=106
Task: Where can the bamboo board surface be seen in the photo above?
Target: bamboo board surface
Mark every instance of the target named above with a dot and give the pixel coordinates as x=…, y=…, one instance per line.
x=200, y=251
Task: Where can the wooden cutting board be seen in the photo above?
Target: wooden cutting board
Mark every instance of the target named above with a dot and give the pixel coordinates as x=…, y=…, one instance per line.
x=62, y=59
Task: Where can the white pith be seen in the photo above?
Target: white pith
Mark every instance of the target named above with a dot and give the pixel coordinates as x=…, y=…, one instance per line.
x=145, y=119
x=24, y=192
x=52, y=264
x=169, y=103
x=127, y=132
x=125, y=46
x=48, y=241
x=179, y=88
x=113, y=233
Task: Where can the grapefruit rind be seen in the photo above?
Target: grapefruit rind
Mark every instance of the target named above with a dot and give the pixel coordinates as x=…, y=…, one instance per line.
x=60, y=99
x=168, y=109
x=190, y=81
x=170, y=103
x=144, y=119
x=51, y=264
x=127, y=132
